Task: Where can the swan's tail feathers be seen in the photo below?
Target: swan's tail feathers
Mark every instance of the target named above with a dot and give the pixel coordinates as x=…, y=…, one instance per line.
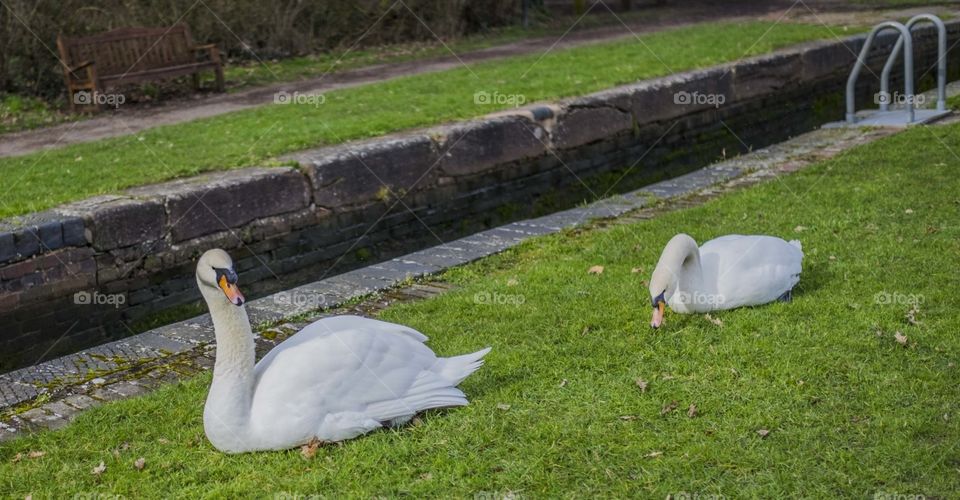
x=457, y=368
x=406, y=407
x=797, y=244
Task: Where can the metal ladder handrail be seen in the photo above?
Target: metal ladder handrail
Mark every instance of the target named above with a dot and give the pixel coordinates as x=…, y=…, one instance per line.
x=861, y=61
x=941, y=62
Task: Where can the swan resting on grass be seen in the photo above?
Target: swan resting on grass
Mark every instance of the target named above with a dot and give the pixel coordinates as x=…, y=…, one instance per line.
x=724, y=273
x=336, y=379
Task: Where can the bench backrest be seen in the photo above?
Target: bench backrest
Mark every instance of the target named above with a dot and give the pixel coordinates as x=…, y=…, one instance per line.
x=128, y=50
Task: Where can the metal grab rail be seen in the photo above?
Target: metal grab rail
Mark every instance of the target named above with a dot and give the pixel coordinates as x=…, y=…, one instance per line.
x=941, y=62
x=861, y=61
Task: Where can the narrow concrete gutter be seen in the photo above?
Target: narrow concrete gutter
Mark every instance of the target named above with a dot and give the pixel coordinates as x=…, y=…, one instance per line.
x=49, y=395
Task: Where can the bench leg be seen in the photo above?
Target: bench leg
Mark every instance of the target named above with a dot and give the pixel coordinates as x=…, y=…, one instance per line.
x=196, y=81
x=71, y=99
x=219, y=73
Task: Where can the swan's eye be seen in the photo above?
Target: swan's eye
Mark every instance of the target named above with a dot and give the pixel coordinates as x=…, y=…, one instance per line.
x=659, y=298
x=227, y=273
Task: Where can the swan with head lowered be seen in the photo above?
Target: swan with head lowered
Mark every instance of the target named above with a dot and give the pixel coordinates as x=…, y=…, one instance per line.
x=336, y=379
x=724, y=273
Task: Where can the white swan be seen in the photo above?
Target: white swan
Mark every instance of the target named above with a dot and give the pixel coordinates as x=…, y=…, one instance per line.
x=336, y=379
x=726, y=272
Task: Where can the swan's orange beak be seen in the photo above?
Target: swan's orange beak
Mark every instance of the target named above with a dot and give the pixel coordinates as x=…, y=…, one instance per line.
x=231, y=291
x=657, y=319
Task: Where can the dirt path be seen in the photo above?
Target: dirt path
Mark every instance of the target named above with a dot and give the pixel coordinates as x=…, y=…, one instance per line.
x=133, y=119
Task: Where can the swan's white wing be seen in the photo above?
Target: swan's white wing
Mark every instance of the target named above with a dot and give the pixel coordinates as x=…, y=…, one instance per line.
x=749, y=270
x=347, y=371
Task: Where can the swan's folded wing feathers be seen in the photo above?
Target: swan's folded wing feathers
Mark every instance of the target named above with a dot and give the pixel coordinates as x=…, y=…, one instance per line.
x=429, y=390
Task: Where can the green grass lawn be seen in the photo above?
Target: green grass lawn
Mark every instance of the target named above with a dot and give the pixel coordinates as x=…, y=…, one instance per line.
x=556, y=411
x=251, y=137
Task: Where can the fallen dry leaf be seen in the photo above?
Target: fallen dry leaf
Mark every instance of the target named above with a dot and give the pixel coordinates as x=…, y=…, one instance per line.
x=763, y=433
x=163, y=441
x=309, y=450
x=99, y=469
x=503, y=406
x=653, y=454
x=668, y=408
x=908, y=211
x=512, y=282
x=139, y=463
x=800, y=229
x=642, y=384
x=426, y=476
x=595, y=270
x=16, y=458
x=36, y=454
x=716, y=321
x=563, y=383
x=636, y=270
x=692, y=411
x=628, y=417
x=901, y=338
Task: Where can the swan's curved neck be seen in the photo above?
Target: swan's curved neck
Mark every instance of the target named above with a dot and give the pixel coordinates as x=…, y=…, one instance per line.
x=691, y=275
x=229, y=400
x=681, y=259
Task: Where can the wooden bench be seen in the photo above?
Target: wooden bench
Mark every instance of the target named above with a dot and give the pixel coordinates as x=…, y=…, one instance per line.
x=95, y=63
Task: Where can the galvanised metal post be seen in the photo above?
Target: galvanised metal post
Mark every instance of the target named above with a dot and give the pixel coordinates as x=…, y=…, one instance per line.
x=941, y=61
x=861, y=61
